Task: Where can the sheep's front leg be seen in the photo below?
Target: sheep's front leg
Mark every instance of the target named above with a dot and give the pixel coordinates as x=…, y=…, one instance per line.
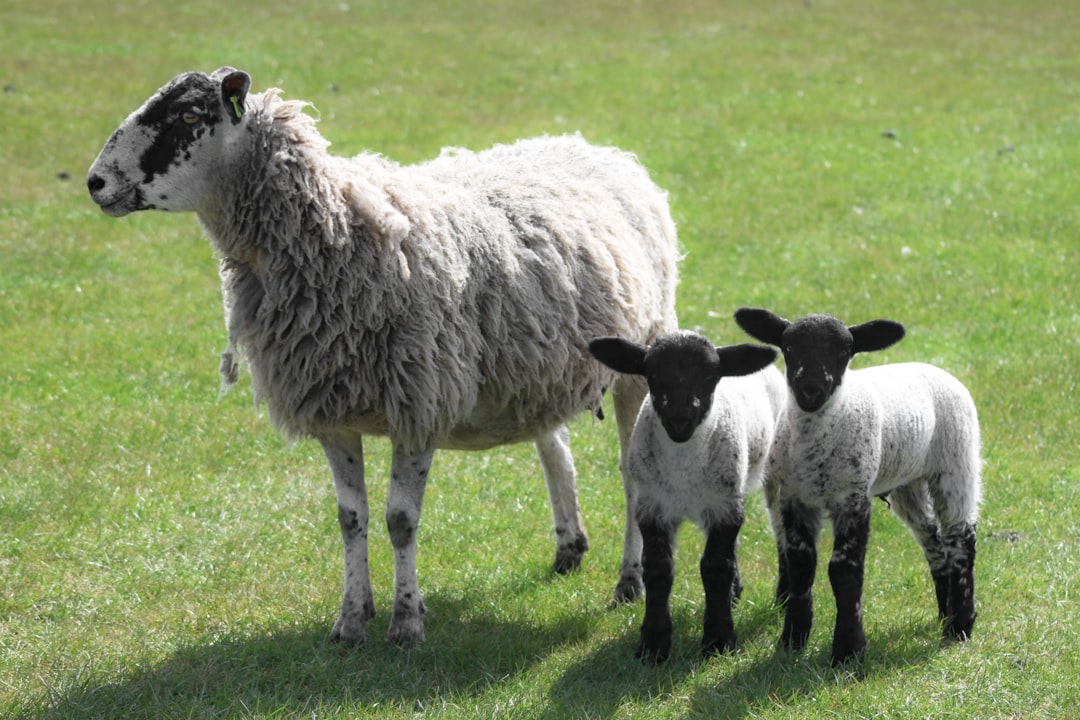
x=658, y=564
x=801, y=524
x=572, y=541
x=719, y=575
x=346, y=459
x=408, y=478
x=851, y=530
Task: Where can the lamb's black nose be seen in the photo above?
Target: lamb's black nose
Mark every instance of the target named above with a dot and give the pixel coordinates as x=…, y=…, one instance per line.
x=95, y=183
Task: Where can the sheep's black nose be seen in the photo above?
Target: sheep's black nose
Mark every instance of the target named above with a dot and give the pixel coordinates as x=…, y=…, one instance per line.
x=95, y=183
x=811, y=397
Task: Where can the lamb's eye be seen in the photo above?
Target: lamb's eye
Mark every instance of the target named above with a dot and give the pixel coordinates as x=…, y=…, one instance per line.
x=190, y=118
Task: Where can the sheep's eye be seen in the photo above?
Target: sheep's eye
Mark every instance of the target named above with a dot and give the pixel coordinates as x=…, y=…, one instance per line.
x=190, y=118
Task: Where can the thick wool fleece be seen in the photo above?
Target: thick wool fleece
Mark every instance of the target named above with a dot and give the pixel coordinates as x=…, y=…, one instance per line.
x=444, y=304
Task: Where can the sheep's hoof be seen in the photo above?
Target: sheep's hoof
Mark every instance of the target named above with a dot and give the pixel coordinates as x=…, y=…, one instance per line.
x=406, y=624
x=568, y=556
x=347, y=636
x=629, y=589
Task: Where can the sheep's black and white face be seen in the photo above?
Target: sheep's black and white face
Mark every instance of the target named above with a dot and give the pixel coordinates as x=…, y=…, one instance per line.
x=817, y=349
x=682, y=370
x=165, y=154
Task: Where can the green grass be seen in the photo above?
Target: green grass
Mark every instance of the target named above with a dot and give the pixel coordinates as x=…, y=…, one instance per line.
x=163, y=554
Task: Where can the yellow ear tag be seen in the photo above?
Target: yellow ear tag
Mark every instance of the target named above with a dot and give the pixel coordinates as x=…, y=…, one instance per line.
x=236, y=106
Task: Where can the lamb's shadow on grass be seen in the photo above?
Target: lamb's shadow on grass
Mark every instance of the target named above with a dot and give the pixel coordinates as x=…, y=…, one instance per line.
x=756, y=678
x=297, y=671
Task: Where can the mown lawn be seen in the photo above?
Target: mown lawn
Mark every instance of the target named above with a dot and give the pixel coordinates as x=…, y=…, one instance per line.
x=163, y=554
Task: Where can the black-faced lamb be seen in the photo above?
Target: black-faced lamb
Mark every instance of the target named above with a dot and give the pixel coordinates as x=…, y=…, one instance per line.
x=700, y=442
x=445, y=305
x=908, y=432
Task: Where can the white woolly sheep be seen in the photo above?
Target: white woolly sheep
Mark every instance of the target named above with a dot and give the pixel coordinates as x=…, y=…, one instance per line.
x=445, y=305
x=908, y=432
x=700, y=442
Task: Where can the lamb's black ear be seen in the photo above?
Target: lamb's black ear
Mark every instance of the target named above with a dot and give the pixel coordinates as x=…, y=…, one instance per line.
x=762, y=325
x=875, y=335
x=620, y=355
x=736, y=360
x=234, y=90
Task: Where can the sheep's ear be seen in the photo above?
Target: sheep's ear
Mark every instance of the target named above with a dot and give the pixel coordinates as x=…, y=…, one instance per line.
x=234, y=89
x=620, y=355
x=875, y=335
x=762, y=325
x=737, y=360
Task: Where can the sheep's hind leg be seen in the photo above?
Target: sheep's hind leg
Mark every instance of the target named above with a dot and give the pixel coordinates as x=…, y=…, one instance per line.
x=960, y=551
x=719, y=575
x=627, y=394
x=912, y=504
x=554, y=451
x=346, y=458
x=408, y=478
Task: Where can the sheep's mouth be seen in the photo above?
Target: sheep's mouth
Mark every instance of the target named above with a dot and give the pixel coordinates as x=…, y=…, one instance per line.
x=120, y=204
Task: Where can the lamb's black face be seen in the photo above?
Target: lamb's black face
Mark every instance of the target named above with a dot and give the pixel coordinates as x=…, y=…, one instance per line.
x=682, y=371
x=817, y=350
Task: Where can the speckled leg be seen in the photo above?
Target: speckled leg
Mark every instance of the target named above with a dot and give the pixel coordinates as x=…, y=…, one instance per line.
x=628, y=393
x=346, y=458
x=572, y=541
x=408, y=478
x=851, y=532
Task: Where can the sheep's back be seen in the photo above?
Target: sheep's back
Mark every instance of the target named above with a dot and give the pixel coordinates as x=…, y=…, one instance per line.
x=515, y=258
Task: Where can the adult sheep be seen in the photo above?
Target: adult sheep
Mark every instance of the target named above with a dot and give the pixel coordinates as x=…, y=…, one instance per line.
x=445, y=305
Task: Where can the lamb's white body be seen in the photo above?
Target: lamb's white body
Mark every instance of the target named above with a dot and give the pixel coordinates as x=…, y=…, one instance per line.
x=445, y=305
x=706, y=478
x=886, y=428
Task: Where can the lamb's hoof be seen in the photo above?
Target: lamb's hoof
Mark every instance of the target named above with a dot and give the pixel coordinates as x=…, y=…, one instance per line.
x=718, y=645
x=844, y=656
x=958, y=630
x=653, y=649
x=846, y=649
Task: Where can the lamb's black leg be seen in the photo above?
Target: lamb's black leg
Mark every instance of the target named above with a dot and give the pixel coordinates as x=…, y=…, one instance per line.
x=960, y=551
x=851, y=530
x=801, y=527
x=658, y=573
x=719, y=573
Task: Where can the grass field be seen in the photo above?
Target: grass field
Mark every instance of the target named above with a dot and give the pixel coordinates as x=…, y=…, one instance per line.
x=163, y=554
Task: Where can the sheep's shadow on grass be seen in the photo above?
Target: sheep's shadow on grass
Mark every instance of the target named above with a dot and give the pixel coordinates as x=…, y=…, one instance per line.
x=297, y=671
x=753, y=679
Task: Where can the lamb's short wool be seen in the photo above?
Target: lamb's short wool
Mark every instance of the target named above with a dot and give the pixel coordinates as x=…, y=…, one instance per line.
x=445, y=305
x=908, y=432
x=699, y=444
